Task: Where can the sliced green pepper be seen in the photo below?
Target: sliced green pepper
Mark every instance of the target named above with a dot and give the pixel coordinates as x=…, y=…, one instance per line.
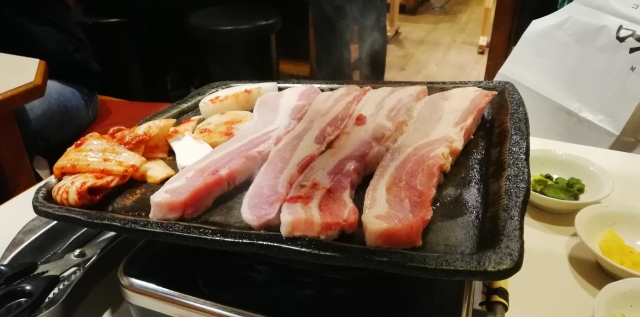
x=576, y=184
x=559, y=192
x=560, y=181
x=537, y=182
x=557, y=187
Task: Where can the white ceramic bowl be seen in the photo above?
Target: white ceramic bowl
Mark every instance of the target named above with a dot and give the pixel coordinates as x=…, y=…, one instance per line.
x=598, y=183
x=618, y=297
x=592, y=222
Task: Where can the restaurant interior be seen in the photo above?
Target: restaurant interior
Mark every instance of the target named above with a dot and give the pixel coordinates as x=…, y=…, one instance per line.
x=151, y=54
x=517, y=185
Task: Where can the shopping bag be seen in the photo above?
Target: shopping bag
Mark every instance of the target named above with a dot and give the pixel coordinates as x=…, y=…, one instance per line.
x=578, y=71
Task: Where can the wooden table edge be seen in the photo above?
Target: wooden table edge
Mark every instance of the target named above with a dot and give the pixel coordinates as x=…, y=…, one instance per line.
x=15, y=165
x=26, y=93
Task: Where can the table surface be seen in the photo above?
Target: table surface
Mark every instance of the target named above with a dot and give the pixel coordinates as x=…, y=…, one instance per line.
x=559, y=276
x=16, y=71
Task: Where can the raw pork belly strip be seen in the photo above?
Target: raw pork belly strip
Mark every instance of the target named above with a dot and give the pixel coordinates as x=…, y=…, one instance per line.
x=193, y=189
x=397, y=204
x=320, y=203
x=325, y=119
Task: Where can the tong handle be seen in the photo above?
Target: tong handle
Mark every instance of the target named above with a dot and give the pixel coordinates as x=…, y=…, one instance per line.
x=25, y=298
x=13, y=272
x=497, y=297
x=499, y=292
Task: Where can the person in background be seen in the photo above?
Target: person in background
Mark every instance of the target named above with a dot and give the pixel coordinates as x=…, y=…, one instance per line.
x=44, y=29
x=332, y=20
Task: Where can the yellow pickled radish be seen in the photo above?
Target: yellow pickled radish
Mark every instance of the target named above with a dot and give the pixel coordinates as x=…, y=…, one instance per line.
x=635, y=261
x=614, y=248
x=612, y=236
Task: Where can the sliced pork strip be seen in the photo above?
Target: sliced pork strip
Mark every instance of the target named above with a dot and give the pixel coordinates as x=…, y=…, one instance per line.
x=320, y=203
x=398, y=201
x=193, y=189
x=326, y=117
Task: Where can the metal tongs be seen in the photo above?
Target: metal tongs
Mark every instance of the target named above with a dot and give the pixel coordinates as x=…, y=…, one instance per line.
x=25, y=286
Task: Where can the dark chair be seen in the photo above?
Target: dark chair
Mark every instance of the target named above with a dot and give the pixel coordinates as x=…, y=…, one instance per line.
x=236, y=42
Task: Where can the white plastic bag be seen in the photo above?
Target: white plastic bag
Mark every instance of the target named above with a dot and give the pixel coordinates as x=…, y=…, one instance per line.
x=578, y=71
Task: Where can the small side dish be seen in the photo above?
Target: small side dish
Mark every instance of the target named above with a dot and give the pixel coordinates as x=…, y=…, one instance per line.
x=572, y=182
x=611, y=232
x=618, y=299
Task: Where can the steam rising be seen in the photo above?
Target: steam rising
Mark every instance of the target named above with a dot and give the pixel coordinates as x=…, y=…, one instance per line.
x=332, y=22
